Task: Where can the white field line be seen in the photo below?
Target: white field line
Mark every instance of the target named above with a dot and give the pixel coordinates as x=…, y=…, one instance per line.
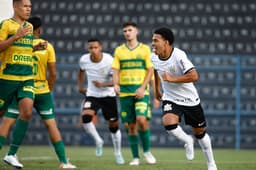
x=162, y=160
x=37, y=158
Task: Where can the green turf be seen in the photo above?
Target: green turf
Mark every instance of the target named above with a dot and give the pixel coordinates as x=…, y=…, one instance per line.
x=43, y=158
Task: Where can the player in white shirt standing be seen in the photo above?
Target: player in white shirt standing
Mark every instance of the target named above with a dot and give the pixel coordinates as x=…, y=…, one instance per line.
x=180, y=98
x=99, y=94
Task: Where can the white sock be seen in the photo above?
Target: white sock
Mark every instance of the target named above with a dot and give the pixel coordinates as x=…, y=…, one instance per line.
x=206, y=146
x=116, y=139
x=90, y=128
x=180, y=134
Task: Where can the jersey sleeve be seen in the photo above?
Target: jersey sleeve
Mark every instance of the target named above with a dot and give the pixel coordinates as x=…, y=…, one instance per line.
x=51, y=52
x=185, y=64
x=3, y=31
x=116, y=62
x=148, y=57
x=81, y=63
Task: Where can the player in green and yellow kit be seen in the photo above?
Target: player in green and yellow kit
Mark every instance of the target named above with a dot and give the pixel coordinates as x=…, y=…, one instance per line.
x=132, y=72
x=44, y=61
x=16, y=73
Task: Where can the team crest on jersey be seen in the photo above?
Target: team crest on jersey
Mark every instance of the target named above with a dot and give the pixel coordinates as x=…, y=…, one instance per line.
x=123, y=114
x=167, y=107
x=1, y=103
x=172, y=69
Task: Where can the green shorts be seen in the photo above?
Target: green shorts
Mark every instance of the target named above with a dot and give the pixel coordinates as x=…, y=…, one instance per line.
x=15, y=90
x=43, y=104
x=132, y=107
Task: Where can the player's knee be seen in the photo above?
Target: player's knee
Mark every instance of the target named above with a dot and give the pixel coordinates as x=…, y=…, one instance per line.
x=170, y=127
x=87, y=118
x=201, y=135
x=113, y=129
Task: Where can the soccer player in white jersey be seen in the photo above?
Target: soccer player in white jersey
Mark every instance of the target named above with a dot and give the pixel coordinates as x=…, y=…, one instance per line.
x=99, y=94
x=180, y=98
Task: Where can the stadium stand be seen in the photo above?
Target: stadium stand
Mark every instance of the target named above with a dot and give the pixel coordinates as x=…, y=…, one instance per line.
x=218, y=35
x=215, y=26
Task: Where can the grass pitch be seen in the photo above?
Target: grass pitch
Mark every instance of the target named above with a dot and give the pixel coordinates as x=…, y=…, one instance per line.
x=44, y=158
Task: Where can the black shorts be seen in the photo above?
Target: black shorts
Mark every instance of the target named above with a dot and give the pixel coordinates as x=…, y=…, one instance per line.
x=108, y=105
x=193, y=115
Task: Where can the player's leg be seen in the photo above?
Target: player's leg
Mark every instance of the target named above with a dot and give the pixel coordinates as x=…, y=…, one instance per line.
x=80, y=121
x=45, y=107
x=110, y=113
x=7, y=92
x=142, y=115
x=204, y=141
x=116, y=137
x=25, y=98
x=89, y=110
x=9, y=120
x=5, y=127
x=199, y=131
x=170, y=120
x=57, y=143
x=128, y=117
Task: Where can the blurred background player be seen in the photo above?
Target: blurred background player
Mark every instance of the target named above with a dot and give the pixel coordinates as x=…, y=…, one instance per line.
x=133, y=71
x=99, y=94
x=180, y=97
x=44, y=62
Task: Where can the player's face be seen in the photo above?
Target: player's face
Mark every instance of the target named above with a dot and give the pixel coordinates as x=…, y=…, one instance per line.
x=94, y=48
x=130, y=33
x=159, y=44
x=22, y=9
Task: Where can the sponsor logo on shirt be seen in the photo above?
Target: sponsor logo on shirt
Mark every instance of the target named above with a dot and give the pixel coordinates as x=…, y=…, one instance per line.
x=185, y=100
x=18, y=58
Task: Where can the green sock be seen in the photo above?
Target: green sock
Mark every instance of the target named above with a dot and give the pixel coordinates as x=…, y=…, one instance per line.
x=2, y=141
x=18, y=134
x=60, y=151
x=145, y=140
x=133, y=141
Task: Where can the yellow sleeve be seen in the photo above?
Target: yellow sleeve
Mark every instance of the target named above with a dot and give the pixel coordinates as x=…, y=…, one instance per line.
x=149, y=64
x=3, y=30
x=116, y=62
x=51, y=53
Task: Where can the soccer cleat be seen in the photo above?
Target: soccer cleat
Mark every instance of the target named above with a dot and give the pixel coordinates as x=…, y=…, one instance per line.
x=119, y=159
x=135, y=162
x=189, y=147
x=67, y=166
x=149, y=158
x=99, y=149
x=212, y=167
x=13, y=161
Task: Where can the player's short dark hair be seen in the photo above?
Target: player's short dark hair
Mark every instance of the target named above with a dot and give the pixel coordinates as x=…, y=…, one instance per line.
x=166, y=33
x=35, y=21
x=130, y=23
x=94, y=40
